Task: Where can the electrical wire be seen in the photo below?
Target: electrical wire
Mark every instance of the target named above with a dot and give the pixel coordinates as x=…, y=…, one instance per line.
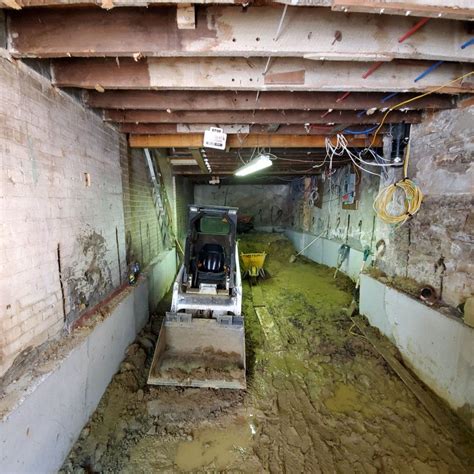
x=408, y=101
x=413, y=198
x=360, y=132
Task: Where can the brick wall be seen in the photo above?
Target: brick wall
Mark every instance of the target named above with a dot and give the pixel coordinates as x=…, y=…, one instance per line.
x=48, y=142
x=145, y=237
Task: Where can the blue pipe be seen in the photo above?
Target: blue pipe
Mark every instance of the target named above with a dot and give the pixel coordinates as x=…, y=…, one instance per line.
x=389, y=96
x=467, y=43
x=361, y=132
x=434, y=66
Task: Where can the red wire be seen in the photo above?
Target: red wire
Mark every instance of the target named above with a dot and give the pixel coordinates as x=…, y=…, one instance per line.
x=371, y=70
x=343, y=96
x=412, y=30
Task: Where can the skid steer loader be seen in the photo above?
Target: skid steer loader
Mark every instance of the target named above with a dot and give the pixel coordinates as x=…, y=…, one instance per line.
x=202, y=341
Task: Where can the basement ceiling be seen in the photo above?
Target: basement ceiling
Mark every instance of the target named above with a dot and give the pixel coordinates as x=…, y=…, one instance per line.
x=275, y=77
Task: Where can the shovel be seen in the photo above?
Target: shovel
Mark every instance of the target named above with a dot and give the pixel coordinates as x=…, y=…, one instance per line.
x=293, y=257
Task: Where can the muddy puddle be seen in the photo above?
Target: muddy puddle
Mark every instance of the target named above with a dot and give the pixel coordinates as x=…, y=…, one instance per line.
x=319, y=398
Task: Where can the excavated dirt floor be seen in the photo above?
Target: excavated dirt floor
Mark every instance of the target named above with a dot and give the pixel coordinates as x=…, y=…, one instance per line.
x=320, y=399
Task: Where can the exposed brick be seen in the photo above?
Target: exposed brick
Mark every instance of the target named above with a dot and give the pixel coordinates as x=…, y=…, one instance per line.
x=47, y=142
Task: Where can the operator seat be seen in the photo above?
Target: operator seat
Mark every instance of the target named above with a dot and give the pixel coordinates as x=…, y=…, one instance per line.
x=211, y=258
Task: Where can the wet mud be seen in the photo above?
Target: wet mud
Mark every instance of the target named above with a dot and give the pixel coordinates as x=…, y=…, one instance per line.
x=319, y=398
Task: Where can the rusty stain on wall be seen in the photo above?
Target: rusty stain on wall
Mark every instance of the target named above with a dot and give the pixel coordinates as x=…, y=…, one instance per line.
x=94, y=280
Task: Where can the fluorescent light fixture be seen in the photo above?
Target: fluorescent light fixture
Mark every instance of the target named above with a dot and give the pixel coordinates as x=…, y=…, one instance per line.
x=183, y=162
x=259, y=163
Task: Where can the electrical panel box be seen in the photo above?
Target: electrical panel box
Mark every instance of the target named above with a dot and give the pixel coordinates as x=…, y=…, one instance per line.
x=348, y=191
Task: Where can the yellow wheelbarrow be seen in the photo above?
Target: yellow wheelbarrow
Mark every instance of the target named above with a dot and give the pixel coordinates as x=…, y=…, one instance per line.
x=252, y=264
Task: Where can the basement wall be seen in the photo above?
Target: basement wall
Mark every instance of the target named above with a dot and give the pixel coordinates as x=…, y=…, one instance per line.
x=436, y=247
x=149, y=240
x=267, y=203
x=143, y=234
x=62, y=229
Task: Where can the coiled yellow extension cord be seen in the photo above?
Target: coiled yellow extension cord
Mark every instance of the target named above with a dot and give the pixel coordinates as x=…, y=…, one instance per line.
x=413, y=197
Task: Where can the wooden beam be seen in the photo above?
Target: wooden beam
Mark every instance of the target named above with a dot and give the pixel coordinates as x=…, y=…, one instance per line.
x=231, y=32
x=227, y=100
x=250, y=141
x=260, y=117
x=239, y=74
x=124, y=3
x=435, y=9
x=167, y=129
x=197, y=155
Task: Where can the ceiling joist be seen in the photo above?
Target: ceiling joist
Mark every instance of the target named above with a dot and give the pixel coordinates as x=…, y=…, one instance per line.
x=452, y=9
x=259, y=117
x=240, y=74
x=187, y=140
x=256, y=129
x=231, y=32
x=226, y=100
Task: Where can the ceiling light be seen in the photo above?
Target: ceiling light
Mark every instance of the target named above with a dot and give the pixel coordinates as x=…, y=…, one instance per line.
x=183, y=162
x=257, y=164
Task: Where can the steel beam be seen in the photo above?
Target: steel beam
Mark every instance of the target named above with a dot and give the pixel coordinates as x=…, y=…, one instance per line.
x=229, y=31
x=240, y=74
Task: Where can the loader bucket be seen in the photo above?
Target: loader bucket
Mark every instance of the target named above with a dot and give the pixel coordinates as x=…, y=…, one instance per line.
x=199, y=353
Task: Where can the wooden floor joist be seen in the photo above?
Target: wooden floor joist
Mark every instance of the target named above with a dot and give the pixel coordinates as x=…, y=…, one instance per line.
x=227, y=100
x=186, y=140
x=260, y=117
x=240, y=74
x=449, y=9
x=229, y=31
x=434, y=9
x=256, y=129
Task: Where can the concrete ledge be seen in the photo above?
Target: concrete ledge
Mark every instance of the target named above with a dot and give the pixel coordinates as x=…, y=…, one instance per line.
x=439, y=348
x=161, y=273
x=325, y=251
x=38, y=429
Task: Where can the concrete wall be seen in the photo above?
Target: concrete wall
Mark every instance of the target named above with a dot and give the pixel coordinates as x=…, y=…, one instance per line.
x=161, y=272
x=325, y=251
x=267, y=203
x=60, y=188
x=337, y=223
x=440, y=349
x=39, y=426
x=436, y=246
x=184, y=197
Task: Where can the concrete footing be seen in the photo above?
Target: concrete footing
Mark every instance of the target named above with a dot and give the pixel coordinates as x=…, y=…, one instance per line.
x=437, y=347
x=43, y=413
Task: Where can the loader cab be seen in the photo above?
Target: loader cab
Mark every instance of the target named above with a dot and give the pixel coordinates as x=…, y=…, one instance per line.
x=209, y=260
